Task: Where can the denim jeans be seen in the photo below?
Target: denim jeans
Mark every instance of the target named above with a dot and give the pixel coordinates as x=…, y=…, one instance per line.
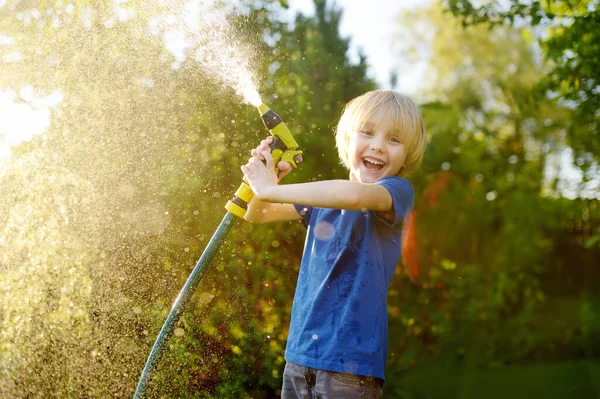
x=301, y=382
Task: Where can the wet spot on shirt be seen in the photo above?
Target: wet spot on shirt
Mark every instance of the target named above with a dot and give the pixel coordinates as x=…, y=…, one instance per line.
x=343, y=286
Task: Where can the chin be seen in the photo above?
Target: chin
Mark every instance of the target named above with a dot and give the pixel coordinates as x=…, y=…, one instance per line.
x=369, y=178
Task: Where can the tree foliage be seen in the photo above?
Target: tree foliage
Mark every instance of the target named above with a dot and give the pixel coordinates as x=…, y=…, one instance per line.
x=497, y=250
x=568, y=32
x=105, y=214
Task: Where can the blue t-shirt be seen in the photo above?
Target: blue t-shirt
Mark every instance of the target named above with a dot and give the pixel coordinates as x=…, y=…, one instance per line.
x=339, y=316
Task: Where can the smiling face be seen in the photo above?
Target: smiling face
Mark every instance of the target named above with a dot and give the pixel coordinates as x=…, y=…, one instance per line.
x=380, y=133
x=375, y=150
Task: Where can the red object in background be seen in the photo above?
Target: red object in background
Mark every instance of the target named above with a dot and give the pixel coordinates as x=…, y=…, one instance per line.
x=440, y=181
x=430, y=195
x=411, y=256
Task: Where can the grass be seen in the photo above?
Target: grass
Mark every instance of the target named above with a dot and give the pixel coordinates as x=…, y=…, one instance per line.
x=566, y=380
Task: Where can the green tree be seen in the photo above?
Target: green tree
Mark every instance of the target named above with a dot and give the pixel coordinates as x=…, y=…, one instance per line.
x=568, y=33
x=106, y=213
x=315, y=82
x=486, y=230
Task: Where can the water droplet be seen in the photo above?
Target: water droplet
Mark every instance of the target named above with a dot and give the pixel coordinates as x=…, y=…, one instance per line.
x=324, y=231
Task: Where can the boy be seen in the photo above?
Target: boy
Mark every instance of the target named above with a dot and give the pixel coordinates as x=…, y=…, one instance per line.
x=337, y=341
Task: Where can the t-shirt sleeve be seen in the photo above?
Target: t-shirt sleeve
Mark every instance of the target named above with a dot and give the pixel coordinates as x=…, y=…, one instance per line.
x=305, y=212
x=402, y=199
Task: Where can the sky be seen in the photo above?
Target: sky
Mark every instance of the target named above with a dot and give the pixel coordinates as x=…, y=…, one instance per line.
x=370, y=24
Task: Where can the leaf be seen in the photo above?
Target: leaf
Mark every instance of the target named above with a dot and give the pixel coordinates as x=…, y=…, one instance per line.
x=593, y=241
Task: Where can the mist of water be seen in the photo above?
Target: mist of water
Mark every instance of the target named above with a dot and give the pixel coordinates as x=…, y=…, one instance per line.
x=83, y=203
x=206, y=33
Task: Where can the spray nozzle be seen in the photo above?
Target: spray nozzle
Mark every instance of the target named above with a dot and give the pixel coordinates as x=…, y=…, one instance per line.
x=283, y=148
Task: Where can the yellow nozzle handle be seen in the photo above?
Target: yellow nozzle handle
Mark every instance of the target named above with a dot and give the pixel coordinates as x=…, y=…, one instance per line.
x=283, y=148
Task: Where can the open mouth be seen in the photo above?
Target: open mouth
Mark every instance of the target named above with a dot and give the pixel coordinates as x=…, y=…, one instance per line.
x=373, y=164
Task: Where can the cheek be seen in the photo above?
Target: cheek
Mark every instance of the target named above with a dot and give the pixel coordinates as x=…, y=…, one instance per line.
x=350, y=152
x=352, y=145
x=400, y=157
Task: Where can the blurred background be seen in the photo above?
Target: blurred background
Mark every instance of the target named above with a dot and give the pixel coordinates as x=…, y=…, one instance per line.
x=119, y=149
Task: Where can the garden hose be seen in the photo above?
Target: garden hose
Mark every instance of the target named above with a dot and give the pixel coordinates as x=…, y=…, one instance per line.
x=283, y=148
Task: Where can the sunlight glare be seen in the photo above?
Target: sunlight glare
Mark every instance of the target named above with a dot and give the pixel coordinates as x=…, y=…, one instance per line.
x=23, y=116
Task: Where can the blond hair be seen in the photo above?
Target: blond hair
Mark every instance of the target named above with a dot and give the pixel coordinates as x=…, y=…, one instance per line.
x=404, y=118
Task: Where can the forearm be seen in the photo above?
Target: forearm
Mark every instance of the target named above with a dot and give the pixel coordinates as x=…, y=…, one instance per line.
x=256, y=210
x=266, y=212
x=339, y=194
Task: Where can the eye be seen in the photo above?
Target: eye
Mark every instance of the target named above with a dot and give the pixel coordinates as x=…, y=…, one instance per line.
x=367, y=132
x=395, y=139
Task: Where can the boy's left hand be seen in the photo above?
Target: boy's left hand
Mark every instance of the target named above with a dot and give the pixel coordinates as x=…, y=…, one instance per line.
x=260, y=176
x=284, y=167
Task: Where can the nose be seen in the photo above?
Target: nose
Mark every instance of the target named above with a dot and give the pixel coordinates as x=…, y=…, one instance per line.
x=377, y=144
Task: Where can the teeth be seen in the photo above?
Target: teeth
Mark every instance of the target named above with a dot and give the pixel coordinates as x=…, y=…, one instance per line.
x=373, y=161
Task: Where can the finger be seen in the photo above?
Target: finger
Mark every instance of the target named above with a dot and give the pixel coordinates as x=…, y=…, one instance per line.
x=269, y=158
x=269, y=142
x=282, y=165
x=247, y=172
x=264, y=146
x=284, y=169
x=255, y=163
x=257, y=153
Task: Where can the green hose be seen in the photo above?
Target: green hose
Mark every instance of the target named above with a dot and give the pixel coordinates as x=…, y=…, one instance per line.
x=283, y=148
x=182, y=299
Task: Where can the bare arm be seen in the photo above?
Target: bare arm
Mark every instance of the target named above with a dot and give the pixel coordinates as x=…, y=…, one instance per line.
x=266, y=212
x=340, y=194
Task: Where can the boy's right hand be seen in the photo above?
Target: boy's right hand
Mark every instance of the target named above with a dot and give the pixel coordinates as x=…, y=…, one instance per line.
x=284, y=167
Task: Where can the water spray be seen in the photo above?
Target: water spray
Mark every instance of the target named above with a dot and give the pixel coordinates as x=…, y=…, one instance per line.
x=283, y=148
